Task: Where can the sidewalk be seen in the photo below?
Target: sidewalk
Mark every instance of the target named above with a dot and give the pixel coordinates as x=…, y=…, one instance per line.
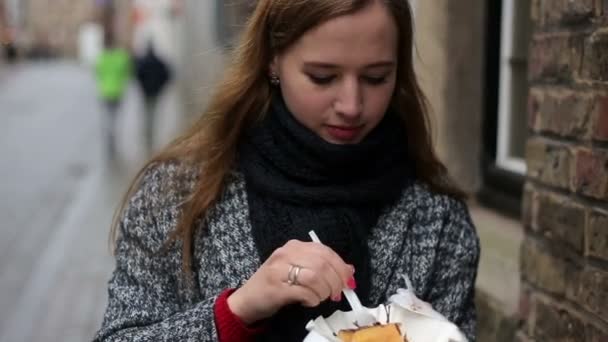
x=57, y=199
x=498, y=279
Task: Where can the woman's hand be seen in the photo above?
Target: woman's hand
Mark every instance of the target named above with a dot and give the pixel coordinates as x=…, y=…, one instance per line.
x=322, y=274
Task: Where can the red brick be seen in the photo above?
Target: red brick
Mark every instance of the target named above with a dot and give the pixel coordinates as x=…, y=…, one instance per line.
x=525, y=302
x=544, y=270
x=535, y=9
x=597, y=236
x=595, y=62
x=549, y=162
x=562, y=220
x=555, y=58
x=565, y=113
x=535, y=98
x=521, y=337
x=529, y=321
x=573, y=284
x=592, y=291
x=529, y=207
x=591, y=173
x=601, y=123
x=595, y=334
x=567, y=12
x=554, y=323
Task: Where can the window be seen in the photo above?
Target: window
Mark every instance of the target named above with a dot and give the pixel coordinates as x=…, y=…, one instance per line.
x=513, y=89
x=505, y=124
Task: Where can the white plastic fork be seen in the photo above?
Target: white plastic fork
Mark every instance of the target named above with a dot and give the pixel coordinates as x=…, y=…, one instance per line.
x=363, y=317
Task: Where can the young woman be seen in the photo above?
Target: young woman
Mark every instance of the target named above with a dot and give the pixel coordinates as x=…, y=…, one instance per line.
x=319, y=124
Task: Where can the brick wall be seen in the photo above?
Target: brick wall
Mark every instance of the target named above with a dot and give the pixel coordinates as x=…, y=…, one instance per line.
x=564, y=258
x=56, y=23
x=48, y=23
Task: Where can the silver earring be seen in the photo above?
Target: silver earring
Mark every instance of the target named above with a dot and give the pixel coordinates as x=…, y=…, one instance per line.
x=274, y=80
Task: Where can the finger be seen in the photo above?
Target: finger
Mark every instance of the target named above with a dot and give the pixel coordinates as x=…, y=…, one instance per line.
x=303, y=254
x=342, y=269
x=292, y=293
x=319, y=258
x=315, y=281
x=320, y=272
x=307, y=276
x=302, y=295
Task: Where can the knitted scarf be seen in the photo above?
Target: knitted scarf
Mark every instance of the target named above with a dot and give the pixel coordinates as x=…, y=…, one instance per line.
x=297, y=182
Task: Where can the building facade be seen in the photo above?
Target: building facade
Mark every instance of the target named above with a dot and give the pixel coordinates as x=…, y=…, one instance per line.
x=520, y=95
x=208, y=30
x=565, y=254
x=51, y=28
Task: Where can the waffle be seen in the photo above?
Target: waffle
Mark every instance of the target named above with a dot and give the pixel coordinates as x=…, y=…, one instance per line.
x=376, y=333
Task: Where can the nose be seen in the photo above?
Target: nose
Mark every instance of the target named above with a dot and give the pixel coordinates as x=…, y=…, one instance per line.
x=349, y=102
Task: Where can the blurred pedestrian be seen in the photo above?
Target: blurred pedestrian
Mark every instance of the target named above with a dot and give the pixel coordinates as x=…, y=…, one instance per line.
x=10, y=52
x=7, y=41
x=113, y=71
x=152, y=74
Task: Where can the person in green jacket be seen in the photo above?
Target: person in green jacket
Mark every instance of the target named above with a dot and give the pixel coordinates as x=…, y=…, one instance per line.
x=113, y=70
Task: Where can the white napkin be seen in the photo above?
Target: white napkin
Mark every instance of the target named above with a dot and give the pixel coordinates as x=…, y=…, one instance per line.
x=417, y=319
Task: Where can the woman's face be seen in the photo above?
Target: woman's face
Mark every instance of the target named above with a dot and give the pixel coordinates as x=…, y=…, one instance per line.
x=339, y=77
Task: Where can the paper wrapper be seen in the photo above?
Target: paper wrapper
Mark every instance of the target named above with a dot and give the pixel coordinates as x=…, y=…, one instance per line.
x=417, y=321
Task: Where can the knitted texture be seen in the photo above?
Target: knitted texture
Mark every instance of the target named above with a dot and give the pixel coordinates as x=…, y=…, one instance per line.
x=230, y=327
x=427, y=236
x=297, y=182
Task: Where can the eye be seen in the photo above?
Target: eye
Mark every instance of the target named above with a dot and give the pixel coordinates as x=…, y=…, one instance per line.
x=321, y=80
x=374, y=80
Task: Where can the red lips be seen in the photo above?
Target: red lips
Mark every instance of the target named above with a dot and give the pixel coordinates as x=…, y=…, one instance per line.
x=344, y=133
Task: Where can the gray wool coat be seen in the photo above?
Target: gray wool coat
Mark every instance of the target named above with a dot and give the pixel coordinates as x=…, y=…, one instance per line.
x=427, y=236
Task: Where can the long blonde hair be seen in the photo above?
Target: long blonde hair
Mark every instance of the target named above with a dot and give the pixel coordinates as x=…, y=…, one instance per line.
x=243, y=95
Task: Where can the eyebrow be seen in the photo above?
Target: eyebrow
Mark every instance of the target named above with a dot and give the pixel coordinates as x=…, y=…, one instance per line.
x=335, y=66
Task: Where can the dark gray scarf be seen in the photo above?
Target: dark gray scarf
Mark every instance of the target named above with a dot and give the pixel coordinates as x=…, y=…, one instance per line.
x=297, y=182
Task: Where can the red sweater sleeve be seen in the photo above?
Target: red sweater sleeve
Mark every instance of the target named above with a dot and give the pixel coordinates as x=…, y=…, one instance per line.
x=230, y=328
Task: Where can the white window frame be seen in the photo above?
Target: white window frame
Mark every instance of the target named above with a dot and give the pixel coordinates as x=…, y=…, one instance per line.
x=504, y=159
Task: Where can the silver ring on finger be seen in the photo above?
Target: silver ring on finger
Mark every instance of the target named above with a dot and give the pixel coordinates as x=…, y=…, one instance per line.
x=292, y=275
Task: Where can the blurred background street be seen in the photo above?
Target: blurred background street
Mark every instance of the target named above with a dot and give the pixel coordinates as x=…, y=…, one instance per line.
x=58, y=196
x=59, y=185
x=53, y=205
